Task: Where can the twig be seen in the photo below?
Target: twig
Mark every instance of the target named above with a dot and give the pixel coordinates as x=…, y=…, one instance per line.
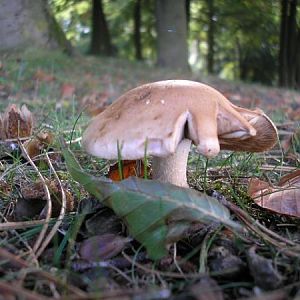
x=175, y=260
x=48, y=198
x=278, y=168
x=120, y=272
x=23, y=224
x=62, y=211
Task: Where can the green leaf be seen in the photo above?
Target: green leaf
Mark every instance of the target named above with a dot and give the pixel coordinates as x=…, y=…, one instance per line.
x=151, y=208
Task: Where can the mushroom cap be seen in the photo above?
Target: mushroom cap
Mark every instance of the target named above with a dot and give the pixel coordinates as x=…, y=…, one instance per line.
x=155, y=117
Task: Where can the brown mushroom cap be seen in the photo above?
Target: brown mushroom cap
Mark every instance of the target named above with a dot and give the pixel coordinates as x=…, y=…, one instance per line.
x=160, y=114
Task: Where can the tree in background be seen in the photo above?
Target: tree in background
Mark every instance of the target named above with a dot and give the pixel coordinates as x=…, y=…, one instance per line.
x=100, y=36
x=238, y=38
x=137, y=30
x=132, y=28
x=188, y=14
x=74, y=17
x=25, y=23
x=232, y=39
x=210, y=35
x=289, y=53
x=298, y=61
x=172, y=50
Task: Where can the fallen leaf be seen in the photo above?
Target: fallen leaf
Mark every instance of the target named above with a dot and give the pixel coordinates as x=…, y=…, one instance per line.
x=27, y=209
x=264, y=274
x=5, y=91
x=34, y=199
x=7, y=295
x=67, y=91
x=35, y=145
x=290, y=179
x=148, y=206
x=291, y=142
x=41, y=75
x=95, y=103
x=102, y=222
x=283, y=198
x=129, y=168
x=206, y=289
x=89, y=205
x=223, y=261
x=16, y=122
x=295, y=115
x=278, y=294
x=5, y=189
x=101, y=247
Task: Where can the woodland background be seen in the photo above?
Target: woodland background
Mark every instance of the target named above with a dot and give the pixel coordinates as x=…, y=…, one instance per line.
x=254, y=41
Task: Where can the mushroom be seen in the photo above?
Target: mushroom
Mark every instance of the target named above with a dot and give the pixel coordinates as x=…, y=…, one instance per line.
x=163, y=118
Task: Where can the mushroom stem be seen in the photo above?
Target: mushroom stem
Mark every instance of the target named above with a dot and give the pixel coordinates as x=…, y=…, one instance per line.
x=172, y=169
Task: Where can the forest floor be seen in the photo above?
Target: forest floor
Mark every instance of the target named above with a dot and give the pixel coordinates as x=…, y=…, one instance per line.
x=86, y=252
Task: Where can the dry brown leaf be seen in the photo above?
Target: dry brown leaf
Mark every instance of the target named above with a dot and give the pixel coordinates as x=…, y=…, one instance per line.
x=34, y=199
x=95, y=103
x=16, y=122
x=283, y=198
x=5, y=188
x=295, y=115
x=262, y=270
x=291, y=179
x=7, y=295
x=206, y=289
x=290, y=140
x=102, y=222
x=225, y=261
x=43, y=76
x=67, y=91
x=101, y=247
x=130, y=168
x=39, y=142
x=4, y=91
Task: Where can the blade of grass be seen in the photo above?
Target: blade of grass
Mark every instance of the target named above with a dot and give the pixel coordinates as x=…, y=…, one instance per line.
x=146, y=160
x=120, y=163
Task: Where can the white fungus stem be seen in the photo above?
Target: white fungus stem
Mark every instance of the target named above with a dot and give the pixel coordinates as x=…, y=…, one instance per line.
x=172, y=169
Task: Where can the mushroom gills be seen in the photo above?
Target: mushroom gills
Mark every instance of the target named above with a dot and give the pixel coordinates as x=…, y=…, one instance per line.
x=239, y=134
x=178, y=133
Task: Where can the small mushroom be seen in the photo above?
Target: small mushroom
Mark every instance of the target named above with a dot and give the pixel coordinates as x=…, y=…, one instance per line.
x=164, y=117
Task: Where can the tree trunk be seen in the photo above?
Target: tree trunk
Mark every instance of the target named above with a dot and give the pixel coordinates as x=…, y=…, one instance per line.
x=100, y=39
x=298, y=61
x=26, y=23
x=210, y=36
x=172, y=50
x=288, y=44
x=188, y=14
x=137, y=30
